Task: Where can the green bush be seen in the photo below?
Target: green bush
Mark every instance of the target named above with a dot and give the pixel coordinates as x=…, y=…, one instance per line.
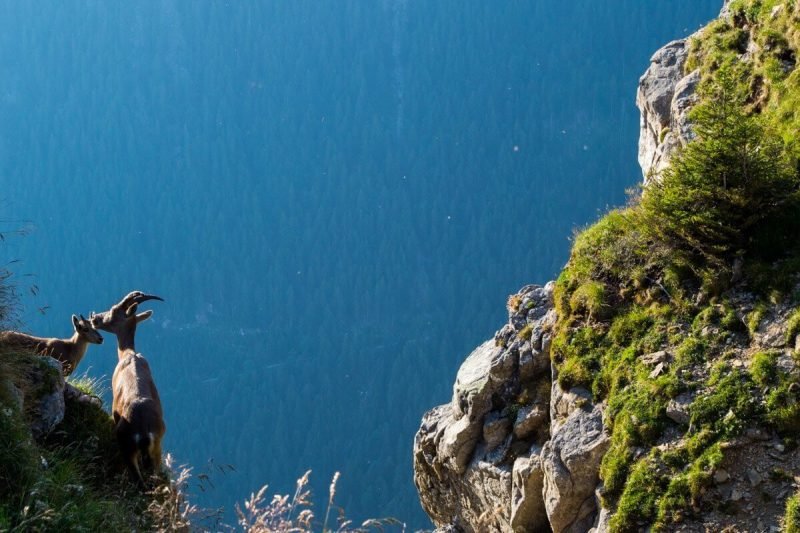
x=654, y=275
x=717, y=192
x=763, y=368
x=783, y=408
x=589, y=299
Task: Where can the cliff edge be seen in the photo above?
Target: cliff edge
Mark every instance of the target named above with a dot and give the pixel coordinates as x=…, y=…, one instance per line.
x=655, y=385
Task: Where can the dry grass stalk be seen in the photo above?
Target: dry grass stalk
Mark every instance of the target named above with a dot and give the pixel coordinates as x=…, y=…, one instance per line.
x=170, y=509
x=285, y=515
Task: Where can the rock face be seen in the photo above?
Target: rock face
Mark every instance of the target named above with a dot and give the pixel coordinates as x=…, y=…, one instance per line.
x=44, y=396
x=571, y=462
x=512, y=451
x=664, y=98
x=44, y=401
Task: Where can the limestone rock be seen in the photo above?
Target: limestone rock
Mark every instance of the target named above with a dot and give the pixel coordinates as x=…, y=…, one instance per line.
x=486, y=509
x=529, y=419
x=665, y=97
x=534, y=362
x=458, y=442
x=480, y=376
x=571, y=461
x=527, y=505
x=684, y=99
x=455, y=499
x=467, y=453
x=654, y=99
x=44, y=403
x=603, y=521
x=678, y=408
x=495, y=430
x=563, y=403
x=435, y=481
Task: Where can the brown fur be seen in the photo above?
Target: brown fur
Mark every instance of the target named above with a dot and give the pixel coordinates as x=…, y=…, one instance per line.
x=69, y=352
x=138, y=416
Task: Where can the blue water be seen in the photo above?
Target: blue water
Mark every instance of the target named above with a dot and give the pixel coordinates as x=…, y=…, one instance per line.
x=334, y=198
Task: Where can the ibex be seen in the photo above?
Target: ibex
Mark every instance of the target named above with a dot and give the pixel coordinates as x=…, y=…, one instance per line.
x=68, y=351
x=138, y=418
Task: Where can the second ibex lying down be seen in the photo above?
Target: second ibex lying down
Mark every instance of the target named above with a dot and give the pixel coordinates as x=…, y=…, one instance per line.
x=138, y=417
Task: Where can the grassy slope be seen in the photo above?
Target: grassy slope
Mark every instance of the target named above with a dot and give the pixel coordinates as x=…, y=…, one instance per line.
x=629, y=289
x=71, y=481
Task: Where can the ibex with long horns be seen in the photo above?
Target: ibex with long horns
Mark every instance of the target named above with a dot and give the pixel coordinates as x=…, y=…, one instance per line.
x=138, y=417
x=68, y=351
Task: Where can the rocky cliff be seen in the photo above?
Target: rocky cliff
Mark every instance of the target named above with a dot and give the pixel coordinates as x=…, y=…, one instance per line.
x=520, y=448
x=512, y=451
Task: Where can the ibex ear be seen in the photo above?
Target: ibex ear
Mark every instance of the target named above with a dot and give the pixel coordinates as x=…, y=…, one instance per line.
x=75, y=321
x=131, y=310
x=144, y=316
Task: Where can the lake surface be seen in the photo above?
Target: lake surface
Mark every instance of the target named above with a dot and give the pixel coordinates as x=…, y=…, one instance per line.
x=334, y=197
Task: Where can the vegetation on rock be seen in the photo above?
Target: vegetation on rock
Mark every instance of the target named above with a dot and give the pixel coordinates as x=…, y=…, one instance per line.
x=73, y=478
x=662, y=298
x=791, y=520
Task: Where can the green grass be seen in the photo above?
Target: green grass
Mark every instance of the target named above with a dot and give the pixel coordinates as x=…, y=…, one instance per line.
x=791, y=518
x=525, y=332
x=632, y=282
x=775, y=91
x=764, y=369
x=755, y=317
x=589, y=299
x=640, y=499
x=793, y=327
x=72, y=480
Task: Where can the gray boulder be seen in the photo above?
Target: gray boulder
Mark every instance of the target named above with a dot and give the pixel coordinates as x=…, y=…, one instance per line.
x=665, y=97
x=527, y=505
x=44, y=399
x=476, y=459
x=655, y=95
x=571, y=462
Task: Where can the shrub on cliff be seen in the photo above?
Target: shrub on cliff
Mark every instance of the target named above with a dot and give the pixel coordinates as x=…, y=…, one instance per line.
x=724, y=211
x=726, y=187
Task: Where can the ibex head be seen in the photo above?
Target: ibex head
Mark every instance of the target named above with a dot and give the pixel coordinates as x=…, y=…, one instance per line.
x=122, y=317
x=85, y=330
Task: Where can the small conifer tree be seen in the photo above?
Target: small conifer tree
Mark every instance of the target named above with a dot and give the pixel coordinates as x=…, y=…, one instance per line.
x=722, y=187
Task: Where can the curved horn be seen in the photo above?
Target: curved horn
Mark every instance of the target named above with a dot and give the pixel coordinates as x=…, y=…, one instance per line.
x=82, y=318
x=145, y=297
x=136, y=297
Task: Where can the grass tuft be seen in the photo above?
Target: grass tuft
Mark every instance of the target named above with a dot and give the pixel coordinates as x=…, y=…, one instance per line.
x=791, y=518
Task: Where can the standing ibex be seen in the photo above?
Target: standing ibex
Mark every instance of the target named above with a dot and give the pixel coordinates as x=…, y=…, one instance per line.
x=138, y=418
x=68, y=351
